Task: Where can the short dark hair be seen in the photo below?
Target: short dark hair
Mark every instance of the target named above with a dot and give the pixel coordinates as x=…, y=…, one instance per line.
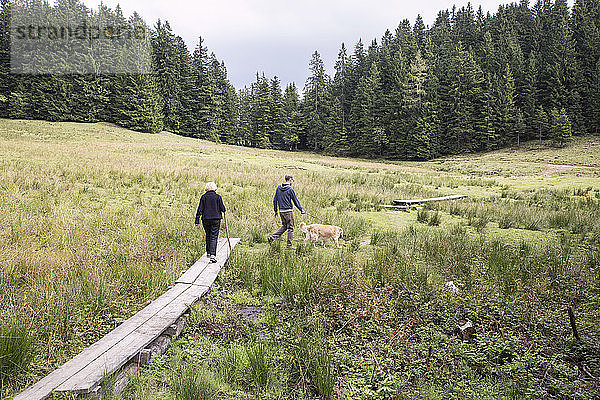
x=289, y=178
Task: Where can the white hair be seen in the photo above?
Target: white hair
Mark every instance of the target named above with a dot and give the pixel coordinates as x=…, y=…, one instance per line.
x=210, y=186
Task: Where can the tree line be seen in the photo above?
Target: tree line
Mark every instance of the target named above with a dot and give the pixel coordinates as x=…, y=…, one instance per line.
x=470, y=82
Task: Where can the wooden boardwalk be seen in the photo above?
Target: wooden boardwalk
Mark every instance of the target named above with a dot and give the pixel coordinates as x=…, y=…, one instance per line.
x=421, y=201
x=84, y=373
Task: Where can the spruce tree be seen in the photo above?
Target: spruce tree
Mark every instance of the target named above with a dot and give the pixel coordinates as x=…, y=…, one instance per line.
x=278, y=123
x=542, y=123
x=6, y=80
x=261, y=112
x=585, y=24
x=368, y=134
x=293, y=117
x=340, y=85
x=199, y=100
x=316, y=104
x=416, y=128
x=419, y=32
x=168, y=74
x=561, y=127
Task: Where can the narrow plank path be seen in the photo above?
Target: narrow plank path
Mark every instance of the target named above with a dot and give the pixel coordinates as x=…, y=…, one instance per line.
x=84, y=373
x=420, y=201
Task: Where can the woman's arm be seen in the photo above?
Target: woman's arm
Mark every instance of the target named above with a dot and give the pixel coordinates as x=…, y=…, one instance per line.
x=221, y=205
x=200, y=210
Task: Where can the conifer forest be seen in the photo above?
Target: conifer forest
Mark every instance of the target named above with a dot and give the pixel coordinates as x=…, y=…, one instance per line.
x=470, y=82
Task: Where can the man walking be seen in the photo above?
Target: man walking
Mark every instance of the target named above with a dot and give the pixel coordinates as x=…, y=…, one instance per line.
x=283, y=200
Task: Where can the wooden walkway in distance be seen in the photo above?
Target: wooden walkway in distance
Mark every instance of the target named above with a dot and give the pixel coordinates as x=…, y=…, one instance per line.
x=84, y=373
x=421, y=201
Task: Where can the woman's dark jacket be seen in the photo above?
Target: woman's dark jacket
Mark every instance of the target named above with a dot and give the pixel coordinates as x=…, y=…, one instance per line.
x=211, y=206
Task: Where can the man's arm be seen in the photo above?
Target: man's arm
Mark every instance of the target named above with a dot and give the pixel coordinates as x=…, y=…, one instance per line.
x=275, y=202
x=296, y=202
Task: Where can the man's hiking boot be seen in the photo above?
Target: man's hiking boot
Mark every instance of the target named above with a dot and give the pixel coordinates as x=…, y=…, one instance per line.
x=213, y=259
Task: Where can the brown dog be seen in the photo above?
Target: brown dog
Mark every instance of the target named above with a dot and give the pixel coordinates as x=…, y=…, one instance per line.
x=323, y=233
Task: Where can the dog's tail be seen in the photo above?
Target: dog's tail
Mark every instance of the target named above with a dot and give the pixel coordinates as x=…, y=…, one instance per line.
x=303, y=227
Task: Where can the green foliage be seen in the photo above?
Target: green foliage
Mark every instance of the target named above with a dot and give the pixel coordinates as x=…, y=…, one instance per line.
x=192, y=383
x=16, y=347
x=311, y=363
x=258, y=365
x=377, y=319
x=423, y=216
x=470, y=82
x=561, y=127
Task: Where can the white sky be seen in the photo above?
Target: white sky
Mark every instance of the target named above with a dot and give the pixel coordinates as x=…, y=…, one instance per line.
x=278, y=37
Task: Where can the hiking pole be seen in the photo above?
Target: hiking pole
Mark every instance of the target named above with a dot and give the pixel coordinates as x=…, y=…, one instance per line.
x=227, y=232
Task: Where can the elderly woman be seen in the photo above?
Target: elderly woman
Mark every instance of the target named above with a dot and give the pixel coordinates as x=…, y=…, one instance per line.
x=210, y=208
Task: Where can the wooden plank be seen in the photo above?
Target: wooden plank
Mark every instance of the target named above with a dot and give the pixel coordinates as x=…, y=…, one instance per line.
x=85, y=380
x=84, y=372
x=44, y=387
x=195, y=270
x=211, y=272
x=394, y=207
x=91, y=376
x=419, y=201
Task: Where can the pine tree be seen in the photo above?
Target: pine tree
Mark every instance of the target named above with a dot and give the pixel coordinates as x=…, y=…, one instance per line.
x=542, y=123
x=419, y=32
x=168, y=74
x=368, y=134
x=317, y=103
x=586, y=34
x=6, y=81
x=293, y=117
x=561, y=127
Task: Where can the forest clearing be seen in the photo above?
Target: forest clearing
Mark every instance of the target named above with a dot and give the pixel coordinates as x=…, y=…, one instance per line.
x=97, y=220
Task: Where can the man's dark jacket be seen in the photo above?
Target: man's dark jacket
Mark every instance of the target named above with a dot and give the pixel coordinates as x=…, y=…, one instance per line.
x=211, y=206
x=284, y=196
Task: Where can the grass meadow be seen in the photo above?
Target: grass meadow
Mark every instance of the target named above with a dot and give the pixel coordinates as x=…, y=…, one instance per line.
x=96, y=221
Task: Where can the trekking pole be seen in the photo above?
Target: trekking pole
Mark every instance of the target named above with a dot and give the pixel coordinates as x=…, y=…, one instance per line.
x=227, y=232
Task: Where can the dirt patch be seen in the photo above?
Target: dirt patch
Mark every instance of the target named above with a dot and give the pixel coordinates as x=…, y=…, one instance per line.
x=251, y=313
x=555, y=169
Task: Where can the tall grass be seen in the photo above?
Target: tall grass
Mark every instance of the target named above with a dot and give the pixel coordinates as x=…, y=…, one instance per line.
x=311, y=362
x=258, y=365
x=96, y=220
x=16, y=348
x=190, y=382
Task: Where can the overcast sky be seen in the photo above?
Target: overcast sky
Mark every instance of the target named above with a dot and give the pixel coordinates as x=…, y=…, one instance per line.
x=278, y=37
